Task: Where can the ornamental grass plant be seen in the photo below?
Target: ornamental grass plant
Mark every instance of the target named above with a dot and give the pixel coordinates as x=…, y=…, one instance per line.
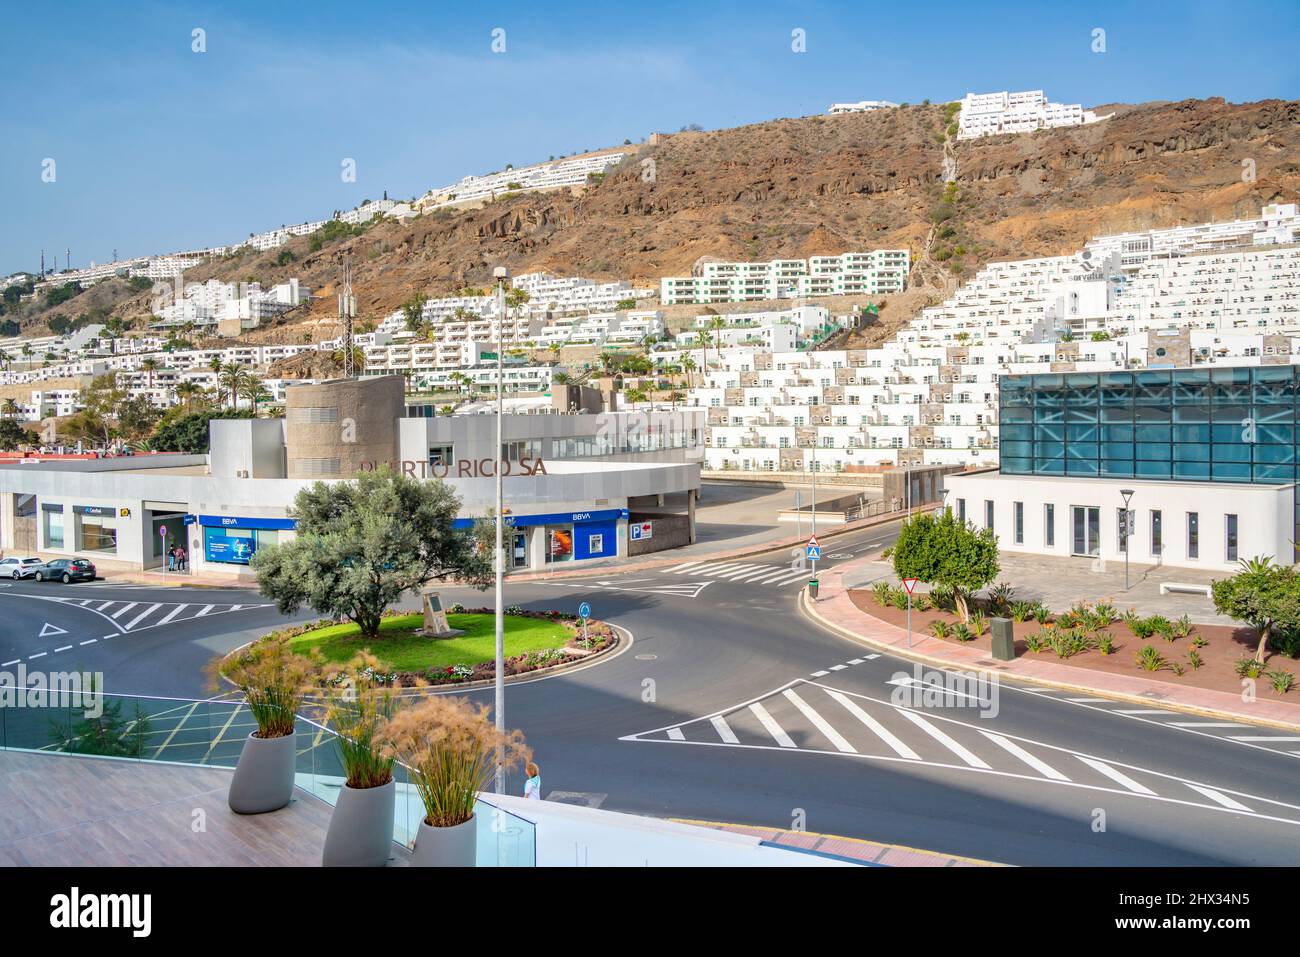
x=273, y=679
x=451, y=749
x=360, y=698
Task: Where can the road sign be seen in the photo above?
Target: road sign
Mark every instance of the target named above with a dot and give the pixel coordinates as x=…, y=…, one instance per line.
x=642, y=531
x=584, y=610
x=813, y=543
x=910, y=583
x=162, y=531
x=813, y=552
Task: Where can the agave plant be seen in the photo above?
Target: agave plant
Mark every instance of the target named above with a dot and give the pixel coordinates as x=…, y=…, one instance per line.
x=881, y=591
x=1036, y=642
x=1042, y=614
x=1282, y=681
x=1194, y=660
x=1248, y=668
x=1149, y=659
x=1000, y=595
x=940, y=628
x=1021, y=611
x=962, y=633
x=1105, y=644
x=978, y=623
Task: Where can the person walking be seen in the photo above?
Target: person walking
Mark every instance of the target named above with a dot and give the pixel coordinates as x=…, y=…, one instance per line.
x=171, y=559
x=533, y=786
x=184, y=558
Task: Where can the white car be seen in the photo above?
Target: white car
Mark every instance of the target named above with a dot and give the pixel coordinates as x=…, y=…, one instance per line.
x=17, y=568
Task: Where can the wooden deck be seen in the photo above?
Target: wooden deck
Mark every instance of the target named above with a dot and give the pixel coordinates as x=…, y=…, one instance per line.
x=59, y=810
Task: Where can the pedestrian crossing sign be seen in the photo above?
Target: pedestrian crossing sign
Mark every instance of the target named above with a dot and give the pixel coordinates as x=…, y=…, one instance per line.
x=814, y=549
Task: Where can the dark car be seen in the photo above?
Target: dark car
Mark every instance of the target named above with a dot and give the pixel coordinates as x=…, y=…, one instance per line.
x=66, y=570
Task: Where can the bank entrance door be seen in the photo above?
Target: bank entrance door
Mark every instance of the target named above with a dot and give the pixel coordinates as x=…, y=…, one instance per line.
x=1086, y=526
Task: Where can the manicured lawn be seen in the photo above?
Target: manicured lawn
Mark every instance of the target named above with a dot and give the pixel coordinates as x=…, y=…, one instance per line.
x=402, y=650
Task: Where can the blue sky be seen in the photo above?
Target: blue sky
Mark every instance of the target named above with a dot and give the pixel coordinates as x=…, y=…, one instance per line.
x=159, y=148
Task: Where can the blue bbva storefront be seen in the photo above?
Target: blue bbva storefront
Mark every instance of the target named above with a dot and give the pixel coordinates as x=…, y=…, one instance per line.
x=565, y=536
x=231, y=540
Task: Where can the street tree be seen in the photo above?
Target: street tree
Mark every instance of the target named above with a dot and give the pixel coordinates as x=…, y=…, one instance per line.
x=362, y=544
x=1263, y=595
x=941, y=550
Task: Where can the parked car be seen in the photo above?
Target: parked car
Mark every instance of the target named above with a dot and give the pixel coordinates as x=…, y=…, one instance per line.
x=17, y=568
x=66, y=570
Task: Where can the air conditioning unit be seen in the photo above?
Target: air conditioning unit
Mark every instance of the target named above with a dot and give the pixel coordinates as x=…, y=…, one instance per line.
x=242, y=473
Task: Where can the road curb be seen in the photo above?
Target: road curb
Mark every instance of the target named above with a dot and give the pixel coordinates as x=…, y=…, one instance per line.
x=808, y=611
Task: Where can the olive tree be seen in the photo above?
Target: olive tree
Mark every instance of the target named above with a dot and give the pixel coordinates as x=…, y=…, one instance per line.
x=1264, y=596
x=362, y=544
x=940, y=550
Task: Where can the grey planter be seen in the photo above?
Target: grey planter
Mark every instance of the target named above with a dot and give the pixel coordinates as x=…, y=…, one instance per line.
x=446, y=846
x=263, y=778
x=361, y=827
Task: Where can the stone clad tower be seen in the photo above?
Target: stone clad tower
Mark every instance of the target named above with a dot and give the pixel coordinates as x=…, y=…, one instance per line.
x=331, y=428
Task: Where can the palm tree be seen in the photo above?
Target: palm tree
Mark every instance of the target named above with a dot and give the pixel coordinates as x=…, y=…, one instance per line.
x=688, y=366
x=150, y=365
x=717, y=324
x=187, y=393
x=9, y=409
x=251, y=388
x=215, y=363
x=232, y=379
x=559, y=378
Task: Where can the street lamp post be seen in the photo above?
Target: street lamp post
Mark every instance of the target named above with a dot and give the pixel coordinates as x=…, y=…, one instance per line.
x=1126, y=494
x=499, y=682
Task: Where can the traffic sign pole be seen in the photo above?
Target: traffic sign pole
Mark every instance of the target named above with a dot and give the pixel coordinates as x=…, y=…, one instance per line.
x=909, y=584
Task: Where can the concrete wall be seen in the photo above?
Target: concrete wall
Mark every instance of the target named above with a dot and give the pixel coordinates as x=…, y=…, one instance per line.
x=252, y=446
x=670, y=531
x=1265, y=516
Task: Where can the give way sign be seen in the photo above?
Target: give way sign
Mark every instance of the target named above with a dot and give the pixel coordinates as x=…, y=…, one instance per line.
x=910, y=583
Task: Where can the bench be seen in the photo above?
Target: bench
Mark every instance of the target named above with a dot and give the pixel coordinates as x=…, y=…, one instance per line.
x=1167, y=587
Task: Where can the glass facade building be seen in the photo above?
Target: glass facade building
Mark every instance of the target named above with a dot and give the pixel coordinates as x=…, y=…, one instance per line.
x=1217, y=424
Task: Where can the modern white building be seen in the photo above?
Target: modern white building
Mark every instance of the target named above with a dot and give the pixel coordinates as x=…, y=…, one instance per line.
x=991, y=114
x=554, y=174
x=572, y=482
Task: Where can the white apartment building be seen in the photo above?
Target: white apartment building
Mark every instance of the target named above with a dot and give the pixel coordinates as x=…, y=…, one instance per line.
x=862, y=106
x=879, y=272
x=554, y=174
x=215, y=303
x=1188, y=297
x=991, y=114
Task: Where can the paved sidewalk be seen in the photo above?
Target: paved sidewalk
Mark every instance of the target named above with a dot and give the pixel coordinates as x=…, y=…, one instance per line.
x=850, y=848
x=835, y=610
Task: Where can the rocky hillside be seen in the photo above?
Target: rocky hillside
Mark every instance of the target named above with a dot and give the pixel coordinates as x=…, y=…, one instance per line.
x=821, y=185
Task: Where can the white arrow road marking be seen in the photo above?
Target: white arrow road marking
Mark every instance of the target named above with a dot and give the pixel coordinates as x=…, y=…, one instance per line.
x=48, y=630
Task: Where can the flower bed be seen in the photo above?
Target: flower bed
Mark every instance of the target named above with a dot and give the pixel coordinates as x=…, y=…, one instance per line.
x=1099, y=637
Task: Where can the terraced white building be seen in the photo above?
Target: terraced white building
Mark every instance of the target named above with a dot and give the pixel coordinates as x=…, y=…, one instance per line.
x=878, y=272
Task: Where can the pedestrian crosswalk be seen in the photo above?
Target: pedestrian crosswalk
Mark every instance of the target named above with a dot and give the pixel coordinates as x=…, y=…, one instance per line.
x=809, y=716
x=131, y=616
x=750, y=573
x=1236, y=732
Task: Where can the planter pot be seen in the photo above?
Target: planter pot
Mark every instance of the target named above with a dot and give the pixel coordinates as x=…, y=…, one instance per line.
x=263, y=778
x=361, y=827
x=446, y=846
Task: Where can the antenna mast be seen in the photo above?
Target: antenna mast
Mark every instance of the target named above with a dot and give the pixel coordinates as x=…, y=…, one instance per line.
x=347, y=312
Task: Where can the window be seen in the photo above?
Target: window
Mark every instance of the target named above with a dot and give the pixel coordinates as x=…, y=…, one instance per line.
x=1193, y=535
x=52, y=519
x=1020, y=523
x=1231, y=537
x=988, y=513
x=519, y=450
x=1123, y=528
x=441, y=455
x=961, y=510
x=1157, y=533
x=1049, y=525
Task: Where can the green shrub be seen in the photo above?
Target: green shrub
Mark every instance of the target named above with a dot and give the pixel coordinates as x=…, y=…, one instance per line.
x=880, y=591
x=1281, y=680
x=1149, y=659
x=1068, y=642
x=940, y=628
x=1177, y=668
x=1248, y=668
x=1021, y=611
x=978, y=623
x=962, y=633
x=1037, y=641
x=1106, y=643
x=1199, y=642
x=1194, y=660
x=1042, y=614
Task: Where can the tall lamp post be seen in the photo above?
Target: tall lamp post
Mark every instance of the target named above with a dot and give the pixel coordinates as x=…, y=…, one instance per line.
x=1126, y=494
x=501, y=274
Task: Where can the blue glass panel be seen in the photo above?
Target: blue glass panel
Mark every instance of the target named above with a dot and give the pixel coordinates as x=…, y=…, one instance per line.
x=1119, y=468
x=1192, y=470
x=1117, y=433
x=1016, y=448
x=1274, y=473
x=1274, y=453
x=1015, y=432
x=1117, y=450
x=1266, y=413
x=1155, y=413
x=1231, y=471
x=1013, y=414
x=1042, y=414
x=1233, y=434
x=1155, y=451
x=1054, y=433
x=1081, y=433
x=1153, y=433
x=1122, y=414
x=1076, y=413
x=1019, y=466
x=1191, y=452
x=1231, y=452
x=1191, y=413
x=1194, y=434
x=1089, y=467
x=1081, y=450
x=1048, y=449
x=1154, y=470
x=1049, y=466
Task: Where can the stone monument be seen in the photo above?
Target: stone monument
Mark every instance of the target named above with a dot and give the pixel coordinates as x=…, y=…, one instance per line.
x=435, y=619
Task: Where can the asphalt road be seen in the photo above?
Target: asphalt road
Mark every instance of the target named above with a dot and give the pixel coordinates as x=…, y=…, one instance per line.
x=730, y=706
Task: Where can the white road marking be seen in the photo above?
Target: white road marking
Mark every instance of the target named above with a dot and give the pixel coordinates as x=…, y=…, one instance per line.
x=1219, y=798
x=752, y=573
x=820, y=674
x=1088, y=700
x=943, y=739
x=838, y=667
x=64, y=648
x=8, y=663
x=35, y=656
x=724, y=729
x=144, y=614
x=885, y=735
x=1261, y=737
x=1142, y=711
x=679, y=569
x=1207, y=724
x=774, y=729
x=855, y=661
x=1119, y=777
x=676, y=734
x=104, y=604
x=821, y=724
x=90, y=641
x=1011, y=747
x=204, y=610
x=124, y=609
